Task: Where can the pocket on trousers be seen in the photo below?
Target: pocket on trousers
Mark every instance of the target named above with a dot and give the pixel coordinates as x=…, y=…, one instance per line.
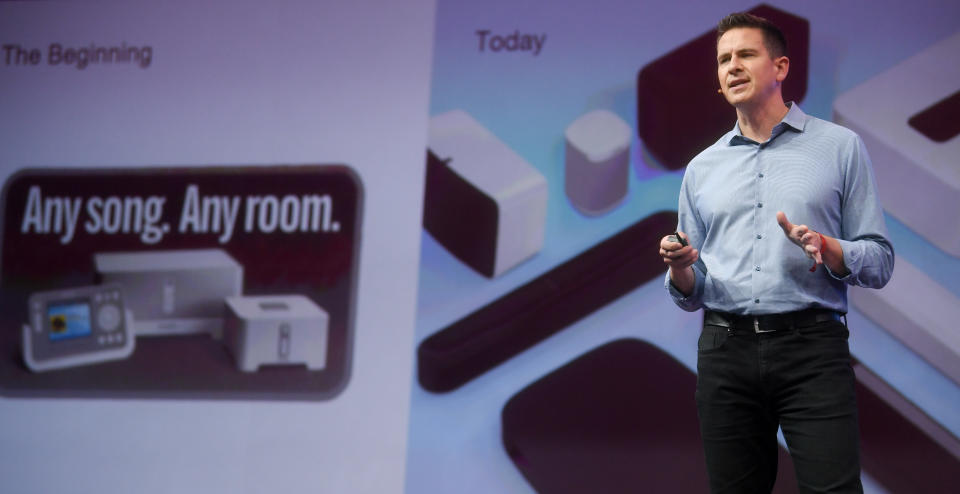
x=712, y=338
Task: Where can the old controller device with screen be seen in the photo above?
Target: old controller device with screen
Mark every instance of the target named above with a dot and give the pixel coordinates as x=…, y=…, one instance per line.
x=77, y=326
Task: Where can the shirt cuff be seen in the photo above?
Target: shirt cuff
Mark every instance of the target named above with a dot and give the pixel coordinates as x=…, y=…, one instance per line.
x=852, y=259
x=690, y=302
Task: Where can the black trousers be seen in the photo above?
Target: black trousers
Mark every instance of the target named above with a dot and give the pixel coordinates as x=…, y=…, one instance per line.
x=799, y=379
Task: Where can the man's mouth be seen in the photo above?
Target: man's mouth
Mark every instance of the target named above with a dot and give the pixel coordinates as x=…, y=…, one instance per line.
x=736, y=82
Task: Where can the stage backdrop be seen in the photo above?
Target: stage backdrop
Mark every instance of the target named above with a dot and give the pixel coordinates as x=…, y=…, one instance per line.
x=409, y=247
x=211, y=217
x=549, y=357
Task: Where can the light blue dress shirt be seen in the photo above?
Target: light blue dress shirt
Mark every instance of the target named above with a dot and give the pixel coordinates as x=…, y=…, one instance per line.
x=816, y=172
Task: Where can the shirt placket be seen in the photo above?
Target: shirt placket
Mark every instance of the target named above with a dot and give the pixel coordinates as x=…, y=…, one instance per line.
x=758, y=214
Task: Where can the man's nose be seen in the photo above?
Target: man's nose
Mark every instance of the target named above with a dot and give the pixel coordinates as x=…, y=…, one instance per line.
x=734, y=67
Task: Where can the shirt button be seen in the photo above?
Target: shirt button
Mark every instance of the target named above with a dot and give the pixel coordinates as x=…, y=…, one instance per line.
x=760, y=175
x=759, y=236
x=756, y=301
x=757, y=268
x=759, y=204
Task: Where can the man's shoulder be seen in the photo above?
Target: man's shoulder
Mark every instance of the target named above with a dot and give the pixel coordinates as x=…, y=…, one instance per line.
x=711, y=151
x=819, y=126
x=831, y=137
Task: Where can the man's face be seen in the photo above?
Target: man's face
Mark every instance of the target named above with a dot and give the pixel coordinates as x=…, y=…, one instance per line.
x=747, y=74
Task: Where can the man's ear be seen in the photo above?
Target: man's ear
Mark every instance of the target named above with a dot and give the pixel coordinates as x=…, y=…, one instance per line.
x=783, y=67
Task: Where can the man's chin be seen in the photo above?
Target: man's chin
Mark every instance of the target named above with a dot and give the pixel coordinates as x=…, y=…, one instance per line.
x=744, y=99
x=736, y=96
x=738, y=101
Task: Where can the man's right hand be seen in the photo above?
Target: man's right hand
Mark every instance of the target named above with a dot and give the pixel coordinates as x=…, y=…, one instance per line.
x=679, y=258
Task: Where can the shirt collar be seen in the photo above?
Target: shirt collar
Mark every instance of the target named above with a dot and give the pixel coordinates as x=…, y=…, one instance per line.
x=795, y=119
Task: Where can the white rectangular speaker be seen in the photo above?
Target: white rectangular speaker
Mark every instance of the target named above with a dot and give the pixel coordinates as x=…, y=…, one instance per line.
x=276, y=330
x=482, y=201
x=173, y=291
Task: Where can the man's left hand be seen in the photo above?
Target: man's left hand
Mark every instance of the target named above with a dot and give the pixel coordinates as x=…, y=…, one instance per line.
x=804, y=237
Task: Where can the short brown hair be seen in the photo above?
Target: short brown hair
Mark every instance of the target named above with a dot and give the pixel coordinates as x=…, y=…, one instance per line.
x=772, y=35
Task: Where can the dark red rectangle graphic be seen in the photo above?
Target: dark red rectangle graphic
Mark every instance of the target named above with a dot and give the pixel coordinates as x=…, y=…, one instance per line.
x=940, y=122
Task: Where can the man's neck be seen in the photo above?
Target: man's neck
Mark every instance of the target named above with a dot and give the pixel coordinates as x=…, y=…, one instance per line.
x=757, y=123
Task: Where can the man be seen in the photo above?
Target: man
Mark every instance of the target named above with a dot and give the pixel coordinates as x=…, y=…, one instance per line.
x=773, y=350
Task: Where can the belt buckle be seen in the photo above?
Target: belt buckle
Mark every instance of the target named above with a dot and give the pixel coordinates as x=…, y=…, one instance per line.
x=756, y=327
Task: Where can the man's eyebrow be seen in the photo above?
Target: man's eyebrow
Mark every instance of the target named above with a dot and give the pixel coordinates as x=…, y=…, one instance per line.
x=742, y=51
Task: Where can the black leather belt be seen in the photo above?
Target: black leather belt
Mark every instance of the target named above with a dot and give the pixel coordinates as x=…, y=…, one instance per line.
x=768, y=323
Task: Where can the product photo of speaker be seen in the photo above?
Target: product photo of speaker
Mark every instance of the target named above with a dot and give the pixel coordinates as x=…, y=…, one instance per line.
x=684, y=82
x=276, y=330
x=545, y=305
x=482, y=201
x=619, y=418
x=173, y=291
x=911, y=136
x=597, y=161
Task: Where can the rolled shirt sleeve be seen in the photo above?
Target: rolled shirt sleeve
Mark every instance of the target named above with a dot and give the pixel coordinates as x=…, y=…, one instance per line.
x=867, y=251
x=690, y=224
x=690, y=302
